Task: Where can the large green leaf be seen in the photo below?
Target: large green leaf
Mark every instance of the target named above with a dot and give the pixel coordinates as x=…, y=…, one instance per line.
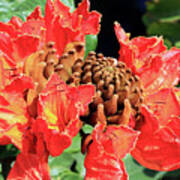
x=138, y=172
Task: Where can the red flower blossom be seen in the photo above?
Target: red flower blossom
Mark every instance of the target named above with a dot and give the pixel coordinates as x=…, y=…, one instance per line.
x=103, y=159
x=27, y=84
x=159, y=142
x=59, y=109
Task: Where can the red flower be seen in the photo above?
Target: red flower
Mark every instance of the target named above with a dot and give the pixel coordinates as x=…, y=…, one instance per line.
x=59, y=109
x=14, y=117
x=27, y=84
x=159, y=142
x=103, y=159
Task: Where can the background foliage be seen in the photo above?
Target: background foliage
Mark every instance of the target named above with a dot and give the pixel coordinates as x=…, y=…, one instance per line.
x=162, y=17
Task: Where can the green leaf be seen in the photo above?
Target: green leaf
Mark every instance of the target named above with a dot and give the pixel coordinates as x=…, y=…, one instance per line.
x=1, y=177
x=87, y=129
x=168, y=30
x=60, y=164
x=79, y=159
x=70, y=175
x=91, y=43
x=138, y=172
x=163, y=10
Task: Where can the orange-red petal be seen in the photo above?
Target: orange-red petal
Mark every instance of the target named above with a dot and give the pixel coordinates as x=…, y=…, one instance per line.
x=33, y=27
x=36, y=14
x=29, y=166
x=109, y=146
x=9, y=29
x=87, y=22
x=16, y=22
x=6, y=45
x=59, y=108
x=164, y=105
x=103, y=166
x=13, y=112
x=158, y=147
x=29, y=43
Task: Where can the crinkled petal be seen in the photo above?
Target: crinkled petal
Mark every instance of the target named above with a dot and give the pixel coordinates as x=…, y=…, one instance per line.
x=63, y=11
x=121, y=35
x=140, y=52
x=13, y=118
x=6, y=73
x=63, y=35
x=13, y=111
x=149, y=74
x=102, y=166
x=9, y=29
x=88, y=22
x=60, y=107
x=82, y=96
x=64, y=27
x=158, y=147
x=49, y=13
x=6, y=45
x=164, y=105
x=146, y=47
x=115, y=140
x=33, y=27
x=19, y=84
x=29, y=43
x=36, y=14
x=164, y=75
x=106, y=150
x=16, y=22
x=29, y=166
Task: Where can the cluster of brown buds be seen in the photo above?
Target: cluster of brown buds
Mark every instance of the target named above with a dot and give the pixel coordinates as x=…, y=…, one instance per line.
x=118, y=90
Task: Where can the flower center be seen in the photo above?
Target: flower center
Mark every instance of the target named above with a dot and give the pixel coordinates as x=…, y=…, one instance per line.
x=118, y=90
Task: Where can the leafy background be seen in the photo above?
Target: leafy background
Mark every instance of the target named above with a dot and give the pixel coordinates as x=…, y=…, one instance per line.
x=162, y=17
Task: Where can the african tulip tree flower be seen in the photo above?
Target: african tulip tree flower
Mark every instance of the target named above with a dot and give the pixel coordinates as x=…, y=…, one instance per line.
x=124, y=99
x=60, y=107
x=29, y=54
x=25, y=47
x=158, y=146
x=58, y=91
